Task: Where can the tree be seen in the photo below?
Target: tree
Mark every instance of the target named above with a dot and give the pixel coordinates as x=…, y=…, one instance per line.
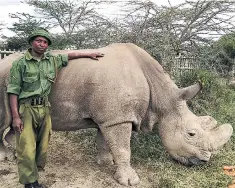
x=76, y=20
x=164, y=31
x=25, y=25
x=224, y=53
x=173, y=30
x=1, y=25
x=2, y=45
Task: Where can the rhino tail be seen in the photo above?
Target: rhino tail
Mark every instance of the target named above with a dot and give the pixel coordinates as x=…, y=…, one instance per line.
x=6, y=117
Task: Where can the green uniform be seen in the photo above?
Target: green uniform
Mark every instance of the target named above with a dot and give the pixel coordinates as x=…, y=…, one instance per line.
x=31, y=79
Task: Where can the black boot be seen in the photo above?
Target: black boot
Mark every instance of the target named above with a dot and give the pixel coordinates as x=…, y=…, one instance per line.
x=33, y=185
x=29, y=185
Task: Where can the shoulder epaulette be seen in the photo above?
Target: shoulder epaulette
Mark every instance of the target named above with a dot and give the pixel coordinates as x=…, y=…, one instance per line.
x=48, y=54
x=18, y=60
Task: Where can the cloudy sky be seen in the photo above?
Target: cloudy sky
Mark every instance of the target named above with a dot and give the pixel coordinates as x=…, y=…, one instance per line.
x=13, y=6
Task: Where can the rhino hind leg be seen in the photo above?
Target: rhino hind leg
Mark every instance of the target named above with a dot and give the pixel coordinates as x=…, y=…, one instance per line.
x=118, y=139
x=3, y=151
x=10, y=138
x=104, y=156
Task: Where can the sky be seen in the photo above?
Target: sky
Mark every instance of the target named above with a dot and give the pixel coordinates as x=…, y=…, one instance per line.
x=13, y=6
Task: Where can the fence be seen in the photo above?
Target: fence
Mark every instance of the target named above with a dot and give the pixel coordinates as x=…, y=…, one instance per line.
x=188, y=64
x=178, y=65
x=183, y=64
x=5, y=53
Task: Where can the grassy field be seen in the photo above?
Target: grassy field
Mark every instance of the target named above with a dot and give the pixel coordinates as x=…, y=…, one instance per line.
x=148, y=153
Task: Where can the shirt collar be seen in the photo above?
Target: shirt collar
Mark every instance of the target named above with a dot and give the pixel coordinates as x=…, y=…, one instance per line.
x=28, y=55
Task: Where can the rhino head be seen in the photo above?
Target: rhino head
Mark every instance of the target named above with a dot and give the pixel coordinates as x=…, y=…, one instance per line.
x=188, y=138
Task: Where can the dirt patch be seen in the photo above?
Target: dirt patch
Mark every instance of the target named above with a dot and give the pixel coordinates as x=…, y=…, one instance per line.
x=4, y=172
x=71, y=166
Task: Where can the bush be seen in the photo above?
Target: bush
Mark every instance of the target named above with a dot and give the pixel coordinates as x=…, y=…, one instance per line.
x=209, y=80
x=215, y=96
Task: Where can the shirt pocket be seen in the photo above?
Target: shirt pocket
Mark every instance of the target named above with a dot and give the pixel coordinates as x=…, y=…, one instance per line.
x=50, y=76
x=31, y=83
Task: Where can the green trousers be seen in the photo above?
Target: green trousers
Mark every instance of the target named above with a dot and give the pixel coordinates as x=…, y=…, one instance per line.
x=32, y=143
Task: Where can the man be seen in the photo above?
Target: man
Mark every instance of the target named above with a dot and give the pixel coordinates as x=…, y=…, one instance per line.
x=29, y=86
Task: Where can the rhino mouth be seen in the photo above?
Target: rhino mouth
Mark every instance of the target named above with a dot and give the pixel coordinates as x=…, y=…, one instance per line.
x=192, y=161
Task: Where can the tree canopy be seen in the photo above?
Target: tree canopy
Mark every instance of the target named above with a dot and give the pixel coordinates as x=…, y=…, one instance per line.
x=164, y=31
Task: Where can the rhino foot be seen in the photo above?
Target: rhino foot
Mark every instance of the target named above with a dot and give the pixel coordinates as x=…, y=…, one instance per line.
x=126, y=176
x=104, y=159
x=2, y=152
x=7, y=153
x=2, y=156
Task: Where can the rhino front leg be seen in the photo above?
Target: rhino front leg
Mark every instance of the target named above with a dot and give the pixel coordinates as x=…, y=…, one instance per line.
x=104, y=157
x=118, y=138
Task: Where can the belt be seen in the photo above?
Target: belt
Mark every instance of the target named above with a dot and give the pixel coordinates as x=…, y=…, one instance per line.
x=34, y=101
x=37, y=101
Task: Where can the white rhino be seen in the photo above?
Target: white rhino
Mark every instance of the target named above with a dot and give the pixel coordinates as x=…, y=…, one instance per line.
x=125, y=90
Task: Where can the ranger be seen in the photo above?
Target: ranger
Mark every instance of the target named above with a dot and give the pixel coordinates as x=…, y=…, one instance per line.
x=29, y=85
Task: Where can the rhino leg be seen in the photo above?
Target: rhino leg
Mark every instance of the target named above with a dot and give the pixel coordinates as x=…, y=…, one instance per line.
x=10, y=140
x=7, y=150
x=104, y=156
x=118, y=139
x=2, y=148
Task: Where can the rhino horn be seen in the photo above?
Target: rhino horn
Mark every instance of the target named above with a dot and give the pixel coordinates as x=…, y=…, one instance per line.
x=207, y=122
x=190, y=92
x=220, y=135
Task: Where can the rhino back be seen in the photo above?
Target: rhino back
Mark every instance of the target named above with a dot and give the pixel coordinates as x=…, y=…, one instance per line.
x=109, y=91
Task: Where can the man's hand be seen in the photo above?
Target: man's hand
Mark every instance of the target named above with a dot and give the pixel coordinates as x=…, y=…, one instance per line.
x=78, y=54
x=95, y=55
x=17, y=124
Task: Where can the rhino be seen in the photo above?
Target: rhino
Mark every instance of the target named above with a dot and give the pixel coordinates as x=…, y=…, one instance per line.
x=126, y=90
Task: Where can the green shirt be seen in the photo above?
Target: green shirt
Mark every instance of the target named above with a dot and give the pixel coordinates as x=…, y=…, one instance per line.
x=30, y=77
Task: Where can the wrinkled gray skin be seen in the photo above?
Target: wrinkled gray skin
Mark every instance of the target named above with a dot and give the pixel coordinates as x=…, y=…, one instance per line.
x=125, y=90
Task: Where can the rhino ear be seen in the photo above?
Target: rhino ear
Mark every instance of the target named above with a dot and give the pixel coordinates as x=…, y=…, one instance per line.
x=190, y=92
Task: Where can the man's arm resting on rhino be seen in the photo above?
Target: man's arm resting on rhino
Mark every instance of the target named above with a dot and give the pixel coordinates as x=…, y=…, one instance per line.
x=17, y=123
x=92, y=55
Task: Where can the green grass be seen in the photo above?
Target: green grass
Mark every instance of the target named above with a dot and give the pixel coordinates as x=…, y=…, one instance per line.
x=171, y=174
x=148, y=153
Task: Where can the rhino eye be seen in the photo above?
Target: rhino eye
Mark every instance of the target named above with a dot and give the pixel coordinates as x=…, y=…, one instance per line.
x=191, y=134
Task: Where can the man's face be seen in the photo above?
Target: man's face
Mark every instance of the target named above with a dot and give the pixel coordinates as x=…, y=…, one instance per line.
x=40, y=45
